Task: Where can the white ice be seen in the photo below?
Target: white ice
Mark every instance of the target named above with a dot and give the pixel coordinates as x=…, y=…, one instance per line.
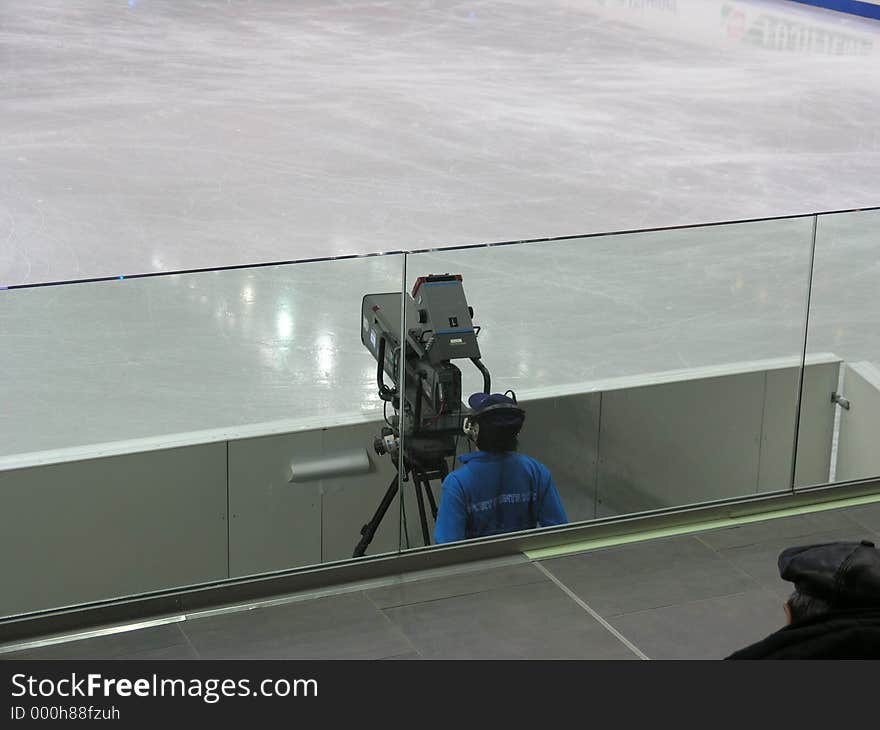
x=168, y=135
x=155, y=135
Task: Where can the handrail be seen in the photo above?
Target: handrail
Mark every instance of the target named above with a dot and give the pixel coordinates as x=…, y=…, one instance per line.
x=450, y=247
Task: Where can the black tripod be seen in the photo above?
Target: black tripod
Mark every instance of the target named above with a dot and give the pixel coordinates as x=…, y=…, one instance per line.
x=421, y=478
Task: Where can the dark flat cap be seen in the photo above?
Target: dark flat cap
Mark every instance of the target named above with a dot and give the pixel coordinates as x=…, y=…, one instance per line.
x=845, y=574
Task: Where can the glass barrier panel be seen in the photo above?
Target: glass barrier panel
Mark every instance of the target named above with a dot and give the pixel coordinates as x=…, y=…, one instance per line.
x=655, y=369
x=411, y=387
x=844, y=312
x=169, y=431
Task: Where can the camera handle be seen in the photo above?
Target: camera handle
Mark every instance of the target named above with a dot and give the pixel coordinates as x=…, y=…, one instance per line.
x=487, y=379
x=385, y=393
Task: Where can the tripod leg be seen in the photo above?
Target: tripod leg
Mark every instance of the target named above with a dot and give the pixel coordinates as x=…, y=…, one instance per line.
x=368, y=530
x=444, y=472
x=431, y=500
x=426, y=535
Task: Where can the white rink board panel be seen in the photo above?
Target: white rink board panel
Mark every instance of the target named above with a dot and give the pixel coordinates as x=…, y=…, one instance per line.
x=859, y=455
x=105, y=528
x=86, y=530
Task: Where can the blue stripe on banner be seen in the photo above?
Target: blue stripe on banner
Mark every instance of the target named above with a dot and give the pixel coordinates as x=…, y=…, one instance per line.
x=454, y=332
x=853, y=7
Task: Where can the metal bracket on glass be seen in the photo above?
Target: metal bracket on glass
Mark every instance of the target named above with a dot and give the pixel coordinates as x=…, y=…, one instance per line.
x=840, y=400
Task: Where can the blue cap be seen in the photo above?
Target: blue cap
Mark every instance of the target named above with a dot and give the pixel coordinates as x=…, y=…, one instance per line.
x=501, y=410
x=480, y=401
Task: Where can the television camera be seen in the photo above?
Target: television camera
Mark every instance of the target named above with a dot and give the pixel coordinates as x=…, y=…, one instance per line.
x=423, y=432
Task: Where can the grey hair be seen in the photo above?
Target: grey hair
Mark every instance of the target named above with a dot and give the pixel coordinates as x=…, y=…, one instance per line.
x=803, y=606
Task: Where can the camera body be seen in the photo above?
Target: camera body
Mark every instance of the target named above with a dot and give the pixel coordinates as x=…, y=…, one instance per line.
x=435, y=325
x=439, y=328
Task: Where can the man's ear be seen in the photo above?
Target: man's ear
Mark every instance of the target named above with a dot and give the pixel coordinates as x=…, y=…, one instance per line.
x=787, y=613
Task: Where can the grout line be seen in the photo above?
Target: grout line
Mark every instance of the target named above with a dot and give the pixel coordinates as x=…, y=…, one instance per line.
x=472, y=592
x=649, y=609
x=620, y=637
x=361, y=586
x=189, y=642
x=717, y=553
x=397, y=629
x=711, y=548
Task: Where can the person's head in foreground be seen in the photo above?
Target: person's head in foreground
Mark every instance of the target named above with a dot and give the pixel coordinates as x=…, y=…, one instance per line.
x=834, y=610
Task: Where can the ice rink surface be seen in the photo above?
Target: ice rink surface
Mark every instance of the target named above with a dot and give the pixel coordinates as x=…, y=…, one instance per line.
x=156, y=135
x=149, y=136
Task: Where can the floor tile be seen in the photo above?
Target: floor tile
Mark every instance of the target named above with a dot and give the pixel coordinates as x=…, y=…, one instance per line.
x=636, y=556
x=838, y=519
x=535, y=621
x=346, y=626
x=432, y=589
x=648, y=575
x=866, y=515
x=785, y=527
x=707, y=629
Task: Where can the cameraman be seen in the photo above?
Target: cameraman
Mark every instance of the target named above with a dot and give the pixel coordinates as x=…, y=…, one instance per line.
x=496, y=490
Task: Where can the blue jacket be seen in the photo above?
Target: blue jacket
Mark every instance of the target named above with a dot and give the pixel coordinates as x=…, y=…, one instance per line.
x=493, y=493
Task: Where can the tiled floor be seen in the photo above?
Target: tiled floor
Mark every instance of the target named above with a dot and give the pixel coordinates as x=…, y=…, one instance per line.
x=690, y=597
x=531, y=621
